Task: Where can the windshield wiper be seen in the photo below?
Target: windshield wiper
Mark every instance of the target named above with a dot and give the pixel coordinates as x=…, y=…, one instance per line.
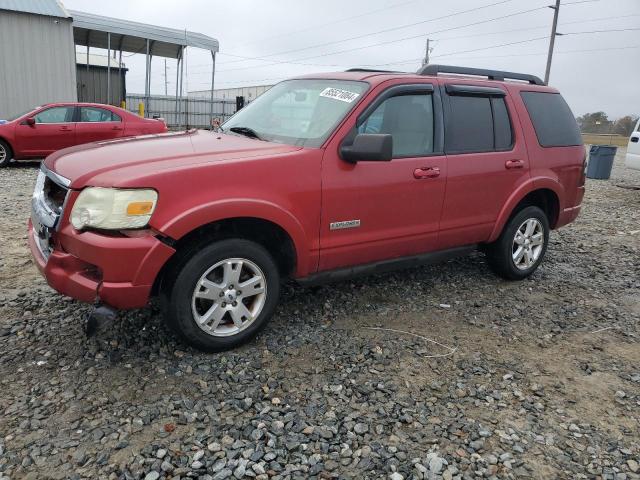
x=246, y=131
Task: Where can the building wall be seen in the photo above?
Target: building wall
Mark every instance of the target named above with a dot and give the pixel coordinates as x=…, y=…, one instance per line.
x=92, y=84
x=249, y=93
x=37, y=61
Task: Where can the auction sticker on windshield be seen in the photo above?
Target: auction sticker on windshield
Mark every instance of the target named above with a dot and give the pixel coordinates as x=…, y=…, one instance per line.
x=339, y=94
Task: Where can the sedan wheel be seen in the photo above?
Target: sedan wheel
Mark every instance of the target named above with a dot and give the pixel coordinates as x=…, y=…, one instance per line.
x=5, y=154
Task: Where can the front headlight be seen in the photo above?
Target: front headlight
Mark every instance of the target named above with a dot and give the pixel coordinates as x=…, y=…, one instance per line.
x=113, y=209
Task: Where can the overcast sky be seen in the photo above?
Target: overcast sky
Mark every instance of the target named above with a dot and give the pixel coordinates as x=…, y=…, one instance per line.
x=594, y=71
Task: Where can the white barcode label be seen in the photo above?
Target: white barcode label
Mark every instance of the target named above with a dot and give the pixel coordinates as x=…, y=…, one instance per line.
x=338, y=94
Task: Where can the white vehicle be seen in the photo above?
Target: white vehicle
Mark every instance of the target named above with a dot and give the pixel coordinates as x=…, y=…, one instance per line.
x=633, y=149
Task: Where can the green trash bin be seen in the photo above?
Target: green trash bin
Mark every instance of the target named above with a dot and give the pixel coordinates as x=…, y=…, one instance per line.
x=601, y=161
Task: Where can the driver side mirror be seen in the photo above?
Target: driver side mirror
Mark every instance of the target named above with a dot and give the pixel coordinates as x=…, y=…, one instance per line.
x=30, y=121
x=375, y=147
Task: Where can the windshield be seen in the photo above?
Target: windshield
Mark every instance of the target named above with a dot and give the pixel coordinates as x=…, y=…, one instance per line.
x=297, y=112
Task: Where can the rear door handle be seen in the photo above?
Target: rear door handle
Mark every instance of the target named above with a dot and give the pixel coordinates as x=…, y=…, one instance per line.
x=116, y=128
x=426, y=172
x=514, y=164
x=65, y=129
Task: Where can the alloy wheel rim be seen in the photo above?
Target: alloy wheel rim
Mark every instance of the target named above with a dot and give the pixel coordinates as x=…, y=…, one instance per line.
x=229, y=297
x=3, y=153
x=528, y=243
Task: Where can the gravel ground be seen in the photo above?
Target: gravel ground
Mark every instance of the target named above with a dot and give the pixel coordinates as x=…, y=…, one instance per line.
x=544, y=381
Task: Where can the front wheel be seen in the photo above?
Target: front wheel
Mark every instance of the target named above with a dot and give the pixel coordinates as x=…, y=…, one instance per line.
x=5, y=154
x=217, y=296
x=519, y=250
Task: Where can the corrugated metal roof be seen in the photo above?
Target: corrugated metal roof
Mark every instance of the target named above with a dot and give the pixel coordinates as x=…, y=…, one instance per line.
x=131, y=36
x=51, y=8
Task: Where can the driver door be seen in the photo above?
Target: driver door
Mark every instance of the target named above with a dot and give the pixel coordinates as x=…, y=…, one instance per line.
x=54, y=130
x=378, y=210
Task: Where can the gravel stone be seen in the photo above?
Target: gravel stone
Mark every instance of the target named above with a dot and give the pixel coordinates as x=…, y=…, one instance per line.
x=544, y=381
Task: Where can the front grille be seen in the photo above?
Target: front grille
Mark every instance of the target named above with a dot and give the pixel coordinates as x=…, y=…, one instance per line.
x=54, y=195
x=46, y=208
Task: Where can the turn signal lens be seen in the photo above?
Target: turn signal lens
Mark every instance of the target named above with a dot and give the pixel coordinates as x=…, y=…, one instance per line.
x=139, y=208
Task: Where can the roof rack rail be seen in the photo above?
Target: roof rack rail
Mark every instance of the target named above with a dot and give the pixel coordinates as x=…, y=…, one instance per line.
x=373, y=70
x=481, y=72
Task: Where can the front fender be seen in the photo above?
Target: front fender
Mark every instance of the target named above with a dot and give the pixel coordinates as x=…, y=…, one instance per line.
x=202, y=215
x=516, y=197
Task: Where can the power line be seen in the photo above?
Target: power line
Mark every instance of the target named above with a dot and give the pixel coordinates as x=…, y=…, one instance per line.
x=383, y=43
x=454, y=38
x=536, y=28
x=263, y=57
x=391, y=29
x=395, y=5
x=417, y=60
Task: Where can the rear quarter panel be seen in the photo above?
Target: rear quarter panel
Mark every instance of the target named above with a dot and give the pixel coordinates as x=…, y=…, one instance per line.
x=559, y=169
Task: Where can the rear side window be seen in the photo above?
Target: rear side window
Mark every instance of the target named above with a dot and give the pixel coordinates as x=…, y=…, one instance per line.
x=552, y=119
x=503, y=134
x=95, y=114
x=478, y=123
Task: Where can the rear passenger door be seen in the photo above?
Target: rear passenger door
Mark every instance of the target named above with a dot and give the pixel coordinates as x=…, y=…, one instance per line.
x=486, y=159
x=95, y=124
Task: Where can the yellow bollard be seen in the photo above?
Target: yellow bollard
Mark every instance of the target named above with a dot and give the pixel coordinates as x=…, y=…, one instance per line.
x=141, y=109
x=123, y=105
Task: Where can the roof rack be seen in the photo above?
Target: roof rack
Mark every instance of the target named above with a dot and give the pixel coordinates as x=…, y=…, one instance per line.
x=481, y=72
x=373, y=70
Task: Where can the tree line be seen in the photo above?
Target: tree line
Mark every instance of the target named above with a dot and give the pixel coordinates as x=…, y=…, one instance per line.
x=598, y=122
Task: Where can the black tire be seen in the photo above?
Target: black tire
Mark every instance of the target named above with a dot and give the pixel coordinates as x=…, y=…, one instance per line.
x=179, y=284
x=500, y=253
x=6, y=154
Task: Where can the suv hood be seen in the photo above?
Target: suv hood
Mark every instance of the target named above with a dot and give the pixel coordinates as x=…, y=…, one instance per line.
x=112, y=162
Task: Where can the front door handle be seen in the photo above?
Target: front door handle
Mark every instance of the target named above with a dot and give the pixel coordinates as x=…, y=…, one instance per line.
x=513, y=164
x=426, y=172
x=116, y=128
x=65, y=129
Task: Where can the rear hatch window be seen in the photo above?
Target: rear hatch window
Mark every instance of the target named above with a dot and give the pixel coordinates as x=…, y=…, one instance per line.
x=552, y=119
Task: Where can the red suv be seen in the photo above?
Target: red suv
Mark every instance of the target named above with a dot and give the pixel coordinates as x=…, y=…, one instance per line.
x=322, y=177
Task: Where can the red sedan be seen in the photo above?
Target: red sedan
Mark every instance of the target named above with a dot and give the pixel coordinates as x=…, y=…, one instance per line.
x=55, y=126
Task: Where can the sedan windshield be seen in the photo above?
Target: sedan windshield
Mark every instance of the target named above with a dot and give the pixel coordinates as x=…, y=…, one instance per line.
x=15, y=117
x=297, y=112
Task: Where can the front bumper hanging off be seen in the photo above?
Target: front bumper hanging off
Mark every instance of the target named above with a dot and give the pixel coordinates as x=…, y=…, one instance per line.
x=115, y=269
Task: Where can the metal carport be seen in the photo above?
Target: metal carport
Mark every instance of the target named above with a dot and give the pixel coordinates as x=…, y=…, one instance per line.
x=133, y=37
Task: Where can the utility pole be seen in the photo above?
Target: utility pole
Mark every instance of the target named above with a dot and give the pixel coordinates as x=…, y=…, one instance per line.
x=552, y=40
x=165, y=77
x=427, y=51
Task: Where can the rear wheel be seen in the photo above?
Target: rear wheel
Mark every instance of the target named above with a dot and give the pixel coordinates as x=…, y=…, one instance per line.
x=6, y=155
x=519, y=250
x=219, y=295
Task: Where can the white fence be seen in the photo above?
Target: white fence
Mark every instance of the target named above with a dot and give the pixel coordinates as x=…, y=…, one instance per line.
x=193, y=112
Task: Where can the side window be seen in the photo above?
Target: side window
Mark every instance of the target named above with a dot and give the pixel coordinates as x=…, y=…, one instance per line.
x=478, y=123
x=503, y=133
x=408, y=119
x=470, y=128
x=95, y=114
x=552, y=119
x=55, y=115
